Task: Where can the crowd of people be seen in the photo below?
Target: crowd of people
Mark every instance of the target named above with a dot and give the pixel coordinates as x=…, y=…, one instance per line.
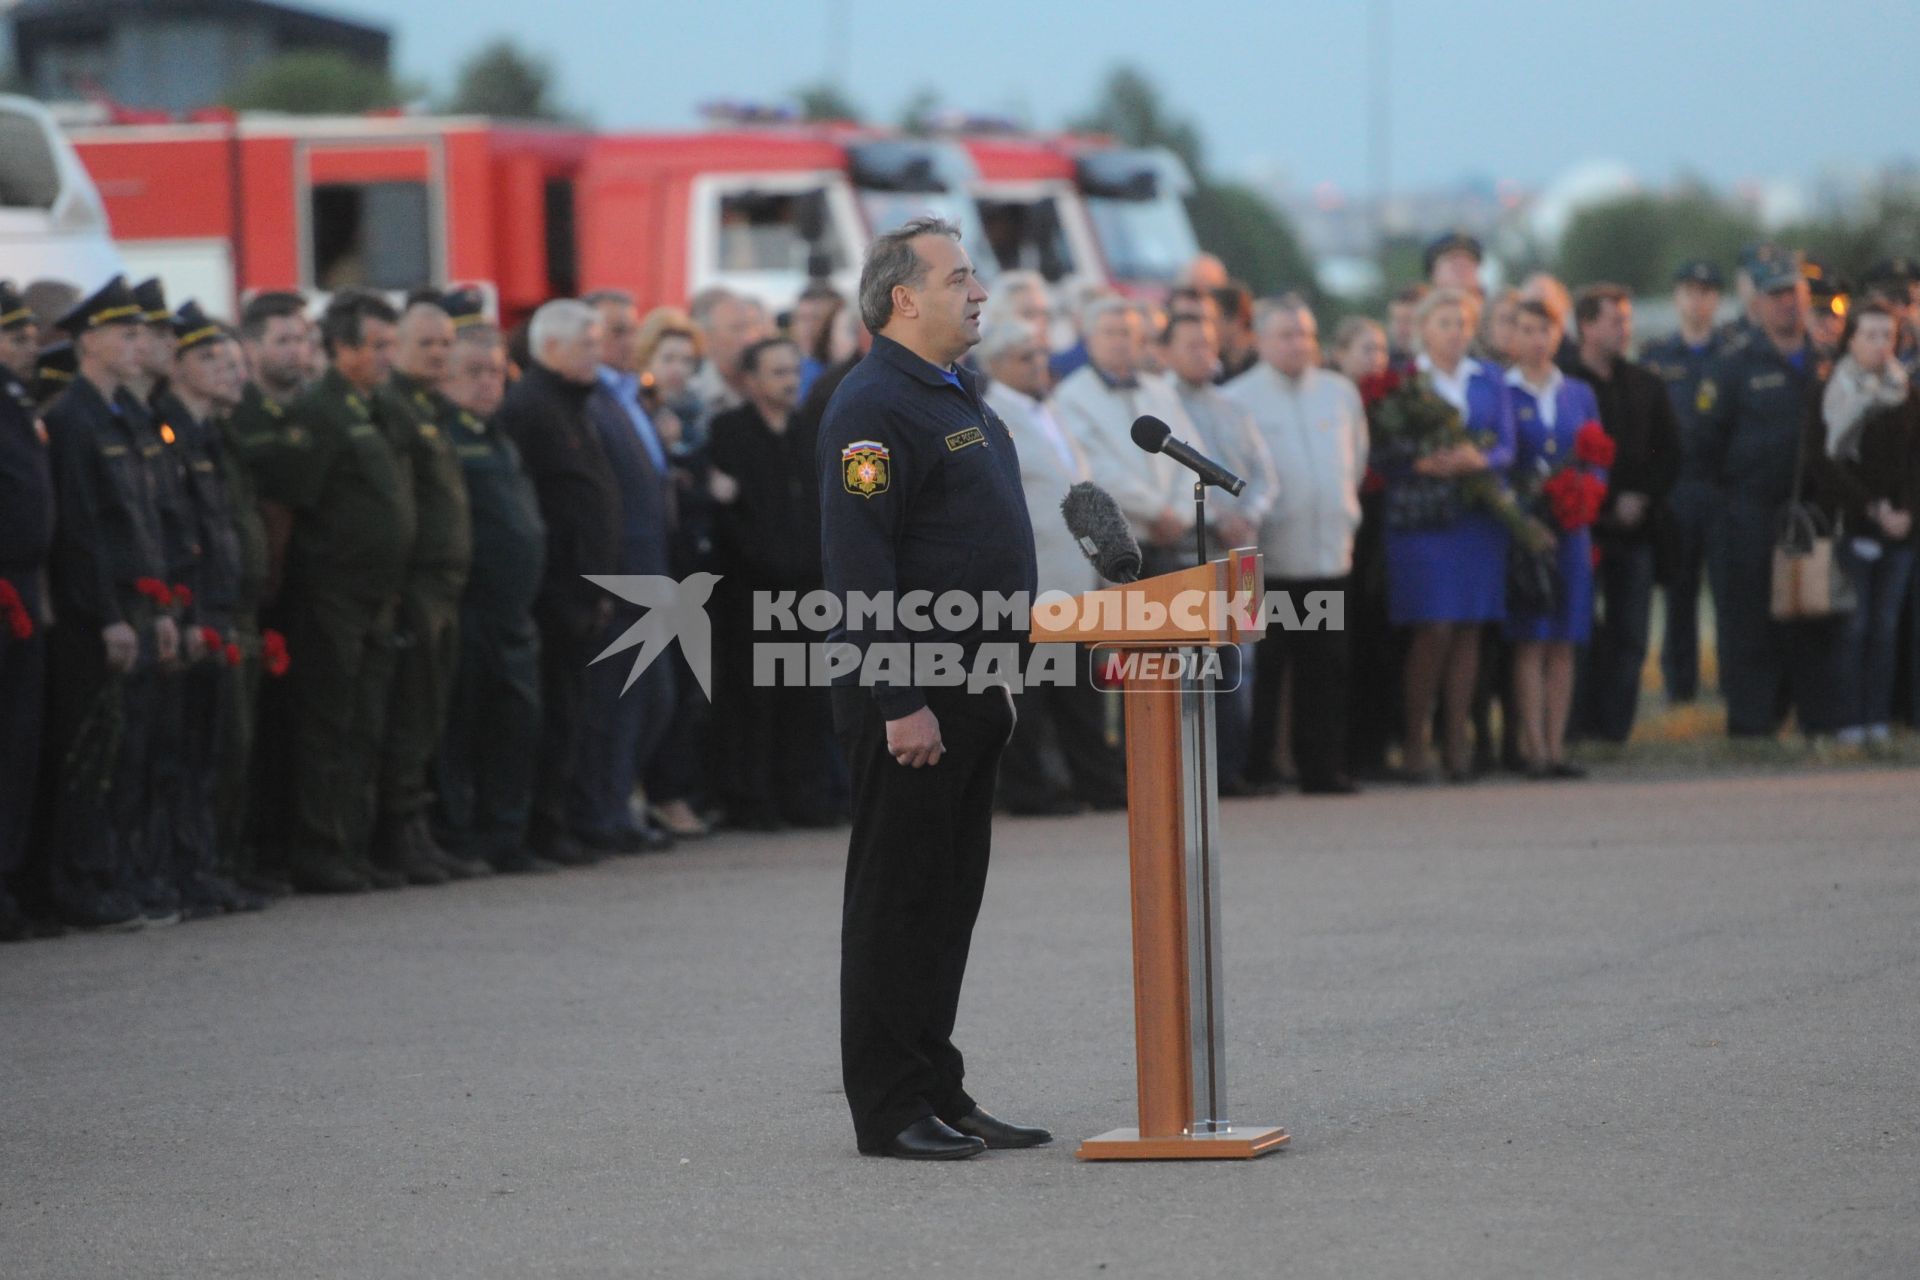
x=305, y=603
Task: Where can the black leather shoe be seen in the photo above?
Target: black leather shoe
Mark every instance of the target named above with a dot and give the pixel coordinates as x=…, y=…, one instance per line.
x=928, y=1139
x=1334, y=784
x=1562, y=769
x=520, y=862
x=326, y=877
x=997, y=1133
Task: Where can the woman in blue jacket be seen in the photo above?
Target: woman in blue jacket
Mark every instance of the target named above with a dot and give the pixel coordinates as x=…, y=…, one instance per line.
x=1446, y=560
x=1549, y=409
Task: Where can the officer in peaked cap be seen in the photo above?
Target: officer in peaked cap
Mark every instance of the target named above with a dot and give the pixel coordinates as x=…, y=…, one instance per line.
x=464, y=306
x=1681, y=359
x=205, y=385
x=26, y=535
x=114, y=624
x=53, y=370
x=1755, y=406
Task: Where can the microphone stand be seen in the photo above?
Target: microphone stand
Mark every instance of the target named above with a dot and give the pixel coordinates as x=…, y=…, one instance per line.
x=1200, y=516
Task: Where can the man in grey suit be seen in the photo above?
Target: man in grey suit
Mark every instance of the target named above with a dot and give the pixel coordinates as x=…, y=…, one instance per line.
x=1056, y=722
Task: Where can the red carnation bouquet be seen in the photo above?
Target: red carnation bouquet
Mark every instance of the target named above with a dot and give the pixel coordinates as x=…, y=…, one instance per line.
x=13, y=612
x=273, y=653
x=155, y=590
x=1574, y=493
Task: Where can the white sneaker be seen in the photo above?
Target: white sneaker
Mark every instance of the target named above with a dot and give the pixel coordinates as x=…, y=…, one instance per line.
x=1851, y=736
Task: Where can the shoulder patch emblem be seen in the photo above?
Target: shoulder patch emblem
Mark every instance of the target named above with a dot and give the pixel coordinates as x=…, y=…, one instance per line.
x=863, y=468
x=1707, y=394
x=961, y=439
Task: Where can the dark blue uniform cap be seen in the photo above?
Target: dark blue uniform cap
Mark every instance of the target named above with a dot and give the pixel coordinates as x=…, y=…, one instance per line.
x=1451, y=242
x=1777, y=270
x=14, y=312
x=54, y=369
x=193, y=328
x=152, y=297
x=1701, y=272
x=466, y=306
x=111, y=303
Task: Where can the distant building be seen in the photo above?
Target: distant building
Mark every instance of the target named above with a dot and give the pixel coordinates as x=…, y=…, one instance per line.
x=170, y=55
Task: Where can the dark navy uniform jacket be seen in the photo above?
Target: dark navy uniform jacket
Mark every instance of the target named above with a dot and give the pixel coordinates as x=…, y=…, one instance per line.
x=26, y=493
x=1682, y=367
x=196, y=445
x=1754, y=405
x=919, y=491
x=107, y=531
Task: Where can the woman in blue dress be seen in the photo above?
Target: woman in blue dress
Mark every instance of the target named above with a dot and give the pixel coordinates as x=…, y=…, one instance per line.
x=1549, y=409
x=1446, y=561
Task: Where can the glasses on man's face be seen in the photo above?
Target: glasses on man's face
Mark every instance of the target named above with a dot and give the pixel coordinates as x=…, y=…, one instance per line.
x=1033, y=353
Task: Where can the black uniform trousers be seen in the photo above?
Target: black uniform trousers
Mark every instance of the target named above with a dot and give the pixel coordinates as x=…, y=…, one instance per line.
x=23, y=675
x=916, y=871
x=1766, y=667
x=492, y=738
x=1321, y=660
x=428, y=625
x=341, y=677
x=240, y=694
x=565, y=654
x=94, y=827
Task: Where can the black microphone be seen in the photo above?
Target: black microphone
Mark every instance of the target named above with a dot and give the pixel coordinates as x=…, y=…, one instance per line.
x=1094, y=520
x=1156, y=436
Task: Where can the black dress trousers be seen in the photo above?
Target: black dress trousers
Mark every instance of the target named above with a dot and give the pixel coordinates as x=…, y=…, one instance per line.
x=916, y=870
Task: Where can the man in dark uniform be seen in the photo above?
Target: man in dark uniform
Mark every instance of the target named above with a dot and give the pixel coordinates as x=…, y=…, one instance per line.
x=276, y=339
x=26, y=535
x=107, y=573
x=429, y=627
x=206, y=384
x=175, y=839
x=344, y=468
x=1681, y=361
x=1830, y=296
x=493, y=724
x=545, y=415
x=1753, y=405
x=920, y=490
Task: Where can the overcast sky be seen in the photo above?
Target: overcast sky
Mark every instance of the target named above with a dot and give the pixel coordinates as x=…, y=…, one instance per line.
x=1520, y=89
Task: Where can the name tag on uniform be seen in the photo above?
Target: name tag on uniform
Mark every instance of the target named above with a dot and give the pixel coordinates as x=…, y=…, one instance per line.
x=429, y=432
x=361, y=430
x=961, y=439
x=205, y=468
x=1766, y=381
x=113, y=451
x=472, y=451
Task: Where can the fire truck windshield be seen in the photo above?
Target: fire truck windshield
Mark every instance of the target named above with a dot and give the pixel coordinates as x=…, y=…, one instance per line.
x=1149, y=240
x=886, y=210
x=1027, y=235
x=29, y=172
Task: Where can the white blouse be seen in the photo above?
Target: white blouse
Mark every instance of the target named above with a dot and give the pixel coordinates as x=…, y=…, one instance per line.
x=1451, y=387
x=1547, y=397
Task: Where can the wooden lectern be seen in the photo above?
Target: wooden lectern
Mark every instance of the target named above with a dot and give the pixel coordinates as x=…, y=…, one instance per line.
x=1173, y=804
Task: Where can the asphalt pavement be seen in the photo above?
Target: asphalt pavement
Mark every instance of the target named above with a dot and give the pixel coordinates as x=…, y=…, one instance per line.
x=1637, y=1029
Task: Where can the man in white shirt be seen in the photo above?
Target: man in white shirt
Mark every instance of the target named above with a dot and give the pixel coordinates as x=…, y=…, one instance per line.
x=1074, y=717
x=1098, y=404
x=1225, y=432
x=1316, y=431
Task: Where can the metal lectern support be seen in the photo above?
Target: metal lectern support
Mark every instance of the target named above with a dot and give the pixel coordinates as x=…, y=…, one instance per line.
x=1200, y=517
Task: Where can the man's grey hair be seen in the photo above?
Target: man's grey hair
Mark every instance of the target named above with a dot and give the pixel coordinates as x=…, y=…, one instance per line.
x=609, y=298
x=1010, y=284
x=1287, y=304
x=1000, y=338
x=561, y=320
x=893, y=261
x=702, y=305
x=1099, y=308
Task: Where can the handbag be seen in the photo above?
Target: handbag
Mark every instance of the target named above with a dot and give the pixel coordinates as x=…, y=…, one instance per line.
x=1534, y=586
x=1808, y=582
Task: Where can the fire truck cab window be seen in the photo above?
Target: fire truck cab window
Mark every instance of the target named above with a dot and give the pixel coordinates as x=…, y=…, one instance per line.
x=29, y=177
x=763, y=231
x=1026, y=234
x=375, y=235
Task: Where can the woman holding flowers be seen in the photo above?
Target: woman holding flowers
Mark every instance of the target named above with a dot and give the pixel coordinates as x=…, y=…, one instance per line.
x=1443, y=439
x=1559, y=473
